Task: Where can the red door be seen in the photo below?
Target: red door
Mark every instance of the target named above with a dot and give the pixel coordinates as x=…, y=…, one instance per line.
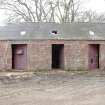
x=19, y=56
x=93, y=60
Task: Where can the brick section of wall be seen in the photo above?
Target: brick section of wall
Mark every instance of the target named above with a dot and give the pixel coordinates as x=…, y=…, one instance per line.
x=102, y=56
x=101, y=52
x=5, y=55
x=39, y=54
x=75, y=55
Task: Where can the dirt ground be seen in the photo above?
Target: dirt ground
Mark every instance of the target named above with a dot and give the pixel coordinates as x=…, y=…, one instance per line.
x=54, y=88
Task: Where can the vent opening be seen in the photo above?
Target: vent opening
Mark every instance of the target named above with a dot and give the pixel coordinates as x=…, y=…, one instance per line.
x=54, y=32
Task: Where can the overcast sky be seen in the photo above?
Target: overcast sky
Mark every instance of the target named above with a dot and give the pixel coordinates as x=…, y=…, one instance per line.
x=95, y=5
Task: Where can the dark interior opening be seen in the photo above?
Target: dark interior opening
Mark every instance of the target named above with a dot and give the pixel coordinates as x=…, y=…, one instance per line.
x=58, y=56
x=94, y=52
x=13, y=64
x=54, y=32
x=98, y=51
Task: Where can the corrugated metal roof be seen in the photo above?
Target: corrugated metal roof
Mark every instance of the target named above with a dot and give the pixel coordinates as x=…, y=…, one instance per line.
x=67, y=31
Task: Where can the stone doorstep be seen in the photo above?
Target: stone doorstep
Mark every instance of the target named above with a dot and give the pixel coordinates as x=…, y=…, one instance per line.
x=30, y=74
x=15, y=74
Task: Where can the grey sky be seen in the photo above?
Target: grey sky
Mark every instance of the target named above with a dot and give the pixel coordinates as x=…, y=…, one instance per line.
x=95, y=5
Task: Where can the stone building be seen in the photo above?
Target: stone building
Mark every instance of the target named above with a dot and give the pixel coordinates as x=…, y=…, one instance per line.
x=31, y=46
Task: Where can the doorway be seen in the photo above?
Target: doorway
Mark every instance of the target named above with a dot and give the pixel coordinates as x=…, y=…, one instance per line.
x=93, y=56
x=58, y=56
x=19, y=56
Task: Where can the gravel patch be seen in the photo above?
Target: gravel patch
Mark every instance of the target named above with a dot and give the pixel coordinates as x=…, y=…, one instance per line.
x=54, y=88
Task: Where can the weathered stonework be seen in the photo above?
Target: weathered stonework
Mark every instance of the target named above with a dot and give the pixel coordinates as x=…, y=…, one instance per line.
x=39, y=54
x=5, y=55
x=75, y=55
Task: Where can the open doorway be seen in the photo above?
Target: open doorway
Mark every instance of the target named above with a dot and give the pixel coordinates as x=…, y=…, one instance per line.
x=58, y=56
x=93, y=56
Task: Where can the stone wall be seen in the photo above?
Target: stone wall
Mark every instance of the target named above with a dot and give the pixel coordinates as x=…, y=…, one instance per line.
x=39, y=54
x=76, y=55
x=5, y=55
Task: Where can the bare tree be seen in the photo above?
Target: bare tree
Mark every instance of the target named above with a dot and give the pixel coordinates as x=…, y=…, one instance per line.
x=91, y=16
x=67, y=10
x=41, y=10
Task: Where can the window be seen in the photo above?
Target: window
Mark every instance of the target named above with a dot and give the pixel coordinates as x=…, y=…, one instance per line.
x=54, y=32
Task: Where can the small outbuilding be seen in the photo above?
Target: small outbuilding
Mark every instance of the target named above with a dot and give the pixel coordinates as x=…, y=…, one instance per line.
x=31, y=46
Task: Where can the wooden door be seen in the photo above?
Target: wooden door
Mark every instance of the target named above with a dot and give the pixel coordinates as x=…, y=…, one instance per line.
x=19, y=55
